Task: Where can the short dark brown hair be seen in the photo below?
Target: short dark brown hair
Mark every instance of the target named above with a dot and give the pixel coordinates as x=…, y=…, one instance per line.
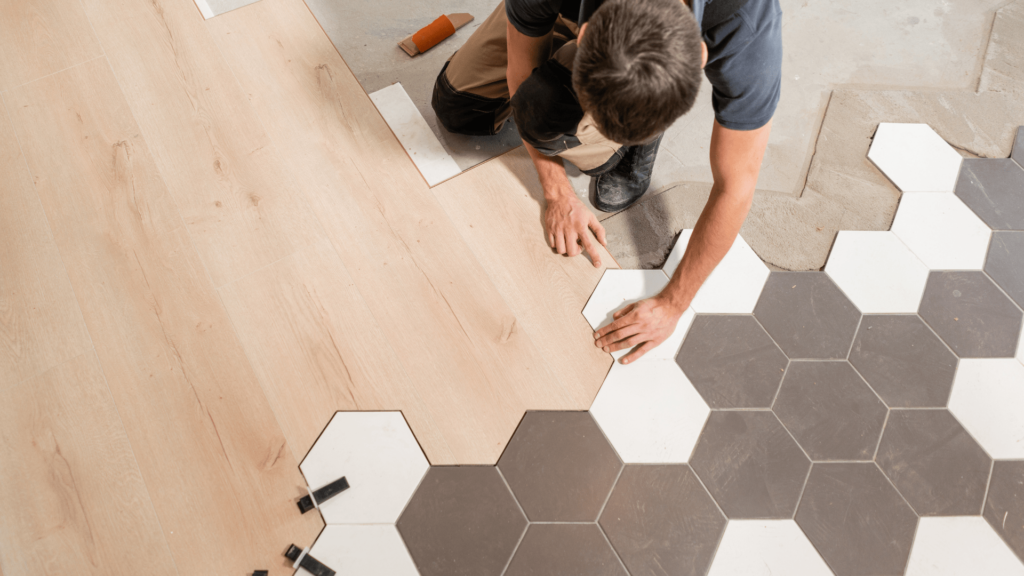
x=638, y=67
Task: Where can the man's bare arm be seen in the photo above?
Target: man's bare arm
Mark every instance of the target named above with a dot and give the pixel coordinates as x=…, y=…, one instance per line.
x=566, y=219
x=735, y=163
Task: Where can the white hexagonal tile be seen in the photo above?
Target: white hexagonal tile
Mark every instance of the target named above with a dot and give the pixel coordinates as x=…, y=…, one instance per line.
x=766, y=548
x=618, y=288
x=650, y=412
x=987, y=397
x=378, y=455
x=960, y=546
x=877, y=272
x=942, y=231
x=733, y=286
x=370, y=549
x=915, y=158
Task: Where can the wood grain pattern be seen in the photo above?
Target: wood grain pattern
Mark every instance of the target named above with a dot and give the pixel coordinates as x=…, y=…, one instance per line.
x=74, y=501
x=222, y=170
x=42, y=37
x=433, y=300
x=205, y=438
x=40, y=322
x=317, y=348
x=498, y=208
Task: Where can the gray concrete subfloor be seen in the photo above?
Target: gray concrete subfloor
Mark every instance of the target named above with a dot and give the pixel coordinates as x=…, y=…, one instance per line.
x=934, y=48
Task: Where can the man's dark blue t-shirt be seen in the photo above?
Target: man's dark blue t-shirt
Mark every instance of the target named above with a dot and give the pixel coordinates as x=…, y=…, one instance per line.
x=744, y=52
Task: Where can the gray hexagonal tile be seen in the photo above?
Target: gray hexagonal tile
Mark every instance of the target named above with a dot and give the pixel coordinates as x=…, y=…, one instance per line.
x=1004, y=506
x=971, y=314
x=462, y=521
x=934, y=462
x=856, y=519
x=661, y=521
x=830, y=410
x=807, y=315
x=1005, y=263
x=993, y=188
x=732, y=362
x=560, y=466
x=903, y=361
x=566, y=550
x=750, y=464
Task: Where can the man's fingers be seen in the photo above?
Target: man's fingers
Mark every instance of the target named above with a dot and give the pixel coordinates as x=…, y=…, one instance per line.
x=620, y=334
x=572, y=246
x=616, y=325
x=591, y=249
x=559, y=243
x=598, y=229
x=627, y=343
x=638, y=353
x=624, y=311
x=551, y=240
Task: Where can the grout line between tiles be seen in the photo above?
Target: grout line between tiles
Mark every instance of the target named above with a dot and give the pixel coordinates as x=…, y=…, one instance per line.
x=597, y=521
x=521, y=511
x=803, y=488
x=779, y=420
x=988, y=486
x=886, y=476
x=778, y=389
x=881, y=434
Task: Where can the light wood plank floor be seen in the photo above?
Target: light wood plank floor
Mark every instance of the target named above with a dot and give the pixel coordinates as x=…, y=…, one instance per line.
x=209, y=242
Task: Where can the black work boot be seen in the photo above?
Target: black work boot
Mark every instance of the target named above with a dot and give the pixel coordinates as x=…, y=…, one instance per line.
x=623, y=185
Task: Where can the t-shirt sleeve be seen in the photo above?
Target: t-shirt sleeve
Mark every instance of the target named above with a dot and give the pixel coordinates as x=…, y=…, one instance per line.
x=533, y=18
x=745, y=66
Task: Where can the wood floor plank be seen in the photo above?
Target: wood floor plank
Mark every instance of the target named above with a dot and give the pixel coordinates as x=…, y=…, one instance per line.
x=40, y=322
x=436, y=305
x=42, y=37
x=497, y=207
x=208, y=446
x=221, y=168
x=317, y=349
x=73, y=499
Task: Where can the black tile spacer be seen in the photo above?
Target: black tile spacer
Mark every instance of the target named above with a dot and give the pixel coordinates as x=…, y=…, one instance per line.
x=309, y=502
x=260, y=573
x=306, y=562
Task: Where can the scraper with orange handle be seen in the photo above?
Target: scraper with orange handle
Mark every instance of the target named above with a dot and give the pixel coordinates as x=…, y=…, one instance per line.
x=429, y=36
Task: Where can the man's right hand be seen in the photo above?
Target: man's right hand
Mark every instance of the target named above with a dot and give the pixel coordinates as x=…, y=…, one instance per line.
x=568, y=224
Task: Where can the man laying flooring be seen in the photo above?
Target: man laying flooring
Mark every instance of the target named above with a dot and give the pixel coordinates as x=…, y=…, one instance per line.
x=597, y=83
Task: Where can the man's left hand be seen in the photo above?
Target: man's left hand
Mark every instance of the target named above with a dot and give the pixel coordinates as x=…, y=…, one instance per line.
x=643, y=324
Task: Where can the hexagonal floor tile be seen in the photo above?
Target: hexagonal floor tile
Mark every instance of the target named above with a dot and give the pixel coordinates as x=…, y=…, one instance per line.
x=566, y=550
x=766, y=547
x=960, y=545
x=807, y=315
x=903, y=361
x=750, y=464
x=1004, y=506
x=733, y=286
x=662, y=521
x=934, y=462
x=992, y=188
x=830, y=410
x=877, y=271
x=856, y=519
x=972, y=315
x=650, y=412
x=942, y=231
x=618, y=288
x=363, y=549
x=1005, y=263
x=378, y=455
x=987, y=398
x=914, y=157
x=732, y=361
x=462, y=521
x=560, y=466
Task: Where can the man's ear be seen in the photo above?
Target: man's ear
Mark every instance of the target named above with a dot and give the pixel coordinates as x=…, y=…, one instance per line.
x=703, y=54
x=579, y=37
